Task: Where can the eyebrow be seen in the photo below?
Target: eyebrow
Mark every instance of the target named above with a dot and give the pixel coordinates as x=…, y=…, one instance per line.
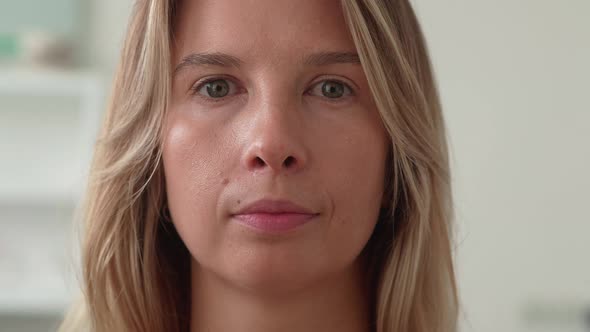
x=226, y=60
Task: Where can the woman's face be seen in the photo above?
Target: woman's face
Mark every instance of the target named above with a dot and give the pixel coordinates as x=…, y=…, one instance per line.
x=277, y=121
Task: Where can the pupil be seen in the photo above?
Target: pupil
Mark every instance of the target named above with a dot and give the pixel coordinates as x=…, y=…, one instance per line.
x=333, y=89
x=217, y=89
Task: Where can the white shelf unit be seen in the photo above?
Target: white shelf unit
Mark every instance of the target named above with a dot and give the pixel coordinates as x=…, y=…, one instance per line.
x=48, y=125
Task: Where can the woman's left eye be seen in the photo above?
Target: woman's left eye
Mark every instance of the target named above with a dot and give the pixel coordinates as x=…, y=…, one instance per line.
x=332, y=89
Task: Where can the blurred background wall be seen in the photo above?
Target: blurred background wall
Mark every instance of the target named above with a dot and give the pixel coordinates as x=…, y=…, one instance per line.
x=514, y=78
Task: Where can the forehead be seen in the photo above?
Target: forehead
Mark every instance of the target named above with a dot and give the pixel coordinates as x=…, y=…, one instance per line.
x=261, y=30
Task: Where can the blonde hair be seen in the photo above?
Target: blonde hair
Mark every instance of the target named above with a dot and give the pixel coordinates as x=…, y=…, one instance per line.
x=136, y=268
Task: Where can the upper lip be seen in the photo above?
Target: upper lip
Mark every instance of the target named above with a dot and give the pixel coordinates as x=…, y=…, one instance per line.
x=273, y=206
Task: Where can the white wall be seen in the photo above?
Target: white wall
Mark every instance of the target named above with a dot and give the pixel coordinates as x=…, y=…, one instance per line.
x=108, y=21
x=514, y=78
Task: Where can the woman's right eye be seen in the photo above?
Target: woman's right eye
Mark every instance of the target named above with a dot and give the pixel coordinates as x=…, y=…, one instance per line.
x=214, y=89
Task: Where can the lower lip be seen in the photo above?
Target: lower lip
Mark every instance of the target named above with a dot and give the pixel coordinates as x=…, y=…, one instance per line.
x=274, y=222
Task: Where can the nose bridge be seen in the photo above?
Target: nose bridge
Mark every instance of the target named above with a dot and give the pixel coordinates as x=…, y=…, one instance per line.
x=278, y=111
x=274, y=140
x=272, y=103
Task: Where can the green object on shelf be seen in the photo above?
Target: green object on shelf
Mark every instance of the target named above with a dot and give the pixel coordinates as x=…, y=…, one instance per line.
x=58, y=16
x=9, y=47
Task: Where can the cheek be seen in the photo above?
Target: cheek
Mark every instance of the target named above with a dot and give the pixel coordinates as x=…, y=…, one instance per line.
x=353, y=161
x=353, y=168
x=193, y=168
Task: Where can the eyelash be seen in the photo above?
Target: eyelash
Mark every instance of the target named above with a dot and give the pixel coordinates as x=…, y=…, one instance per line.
x=199, y=85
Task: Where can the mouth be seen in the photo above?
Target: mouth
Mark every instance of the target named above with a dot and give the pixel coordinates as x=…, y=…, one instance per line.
x=274, y=216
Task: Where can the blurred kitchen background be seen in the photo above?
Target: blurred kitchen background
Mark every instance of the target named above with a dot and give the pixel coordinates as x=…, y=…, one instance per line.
x=514, y=78
x=57, y=59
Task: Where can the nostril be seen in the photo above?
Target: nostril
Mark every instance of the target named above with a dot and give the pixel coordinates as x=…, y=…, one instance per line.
x=258, y=162
x=289, y=161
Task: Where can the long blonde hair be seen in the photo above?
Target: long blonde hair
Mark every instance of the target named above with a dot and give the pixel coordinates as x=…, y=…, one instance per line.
x=136, y=268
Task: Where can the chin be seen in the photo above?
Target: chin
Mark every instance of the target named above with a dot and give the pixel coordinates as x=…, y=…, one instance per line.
x=272, y=270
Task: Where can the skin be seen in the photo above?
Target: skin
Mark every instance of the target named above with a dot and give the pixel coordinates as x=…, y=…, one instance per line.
x=274, y=134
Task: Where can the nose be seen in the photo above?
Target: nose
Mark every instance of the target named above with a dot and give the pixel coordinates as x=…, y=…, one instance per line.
x=275, y=140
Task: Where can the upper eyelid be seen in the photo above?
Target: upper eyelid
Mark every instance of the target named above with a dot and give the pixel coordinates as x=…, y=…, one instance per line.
x=203, y=81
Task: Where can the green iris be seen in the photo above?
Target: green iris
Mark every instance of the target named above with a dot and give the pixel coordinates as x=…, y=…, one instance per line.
x=217, y=88
x=332, y=89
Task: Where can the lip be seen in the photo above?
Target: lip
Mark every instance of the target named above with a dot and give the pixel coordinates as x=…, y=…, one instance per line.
x=273, y=216
x=273, y=206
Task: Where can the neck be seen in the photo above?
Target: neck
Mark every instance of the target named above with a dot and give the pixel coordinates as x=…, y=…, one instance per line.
x=340, y=303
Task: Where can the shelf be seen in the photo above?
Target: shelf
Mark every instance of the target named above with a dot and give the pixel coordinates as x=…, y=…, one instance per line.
x=33, y=307
x=39, y=261
x=48, y=82
x=39, y=199
x=41, y=188
x=53, y=146
x=52, y=138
